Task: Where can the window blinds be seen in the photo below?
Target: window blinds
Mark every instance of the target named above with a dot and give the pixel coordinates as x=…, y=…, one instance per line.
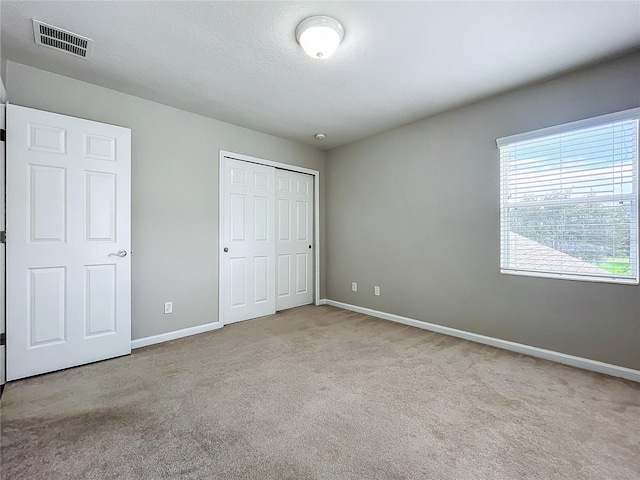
x=569, y=200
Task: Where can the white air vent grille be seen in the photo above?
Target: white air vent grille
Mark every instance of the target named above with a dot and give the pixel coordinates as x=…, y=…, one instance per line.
x=62, y=40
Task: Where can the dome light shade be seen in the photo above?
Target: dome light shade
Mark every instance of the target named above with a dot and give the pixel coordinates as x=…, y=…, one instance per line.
x=319, y=36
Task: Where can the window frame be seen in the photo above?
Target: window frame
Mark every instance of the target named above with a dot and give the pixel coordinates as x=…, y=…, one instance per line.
x=634, y=277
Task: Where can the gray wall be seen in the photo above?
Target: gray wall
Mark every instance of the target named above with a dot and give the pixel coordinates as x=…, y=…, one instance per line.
x=416, y=211
x=174, y=190
x=3, y=77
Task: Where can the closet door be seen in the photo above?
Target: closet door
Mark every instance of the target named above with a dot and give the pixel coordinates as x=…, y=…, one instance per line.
x=294, y=244
x=249, y=240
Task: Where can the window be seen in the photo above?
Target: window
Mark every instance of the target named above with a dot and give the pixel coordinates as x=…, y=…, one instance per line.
x=569, y=200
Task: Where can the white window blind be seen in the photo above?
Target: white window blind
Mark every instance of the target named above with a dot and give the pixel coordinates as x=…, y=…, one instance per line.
x=569, y=200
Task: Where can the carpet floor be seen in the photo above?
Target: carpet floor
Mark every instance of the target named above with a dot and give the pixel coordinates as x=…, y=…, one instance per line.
x=321, y=393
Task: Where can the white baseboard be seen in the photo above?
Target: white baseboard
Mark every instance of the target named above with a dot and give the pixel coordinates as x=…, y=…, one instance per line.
x=185, y=332
x=165, y=337
x=580, y=362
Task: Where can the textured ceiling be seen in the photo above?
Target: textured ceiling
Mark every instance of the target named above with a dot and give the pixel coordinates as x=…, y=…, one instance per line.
x=400, y=61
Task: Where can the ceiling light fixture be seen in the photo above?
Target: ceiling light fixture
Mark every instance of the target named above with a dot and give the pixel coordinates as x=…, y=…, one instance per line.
x=320, y=136
x=319, y=36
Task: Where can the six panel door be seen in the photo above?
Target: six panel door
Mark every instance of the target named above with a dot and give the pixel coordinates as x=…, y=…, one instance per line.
x=249, y=246
x=68, y=216
x=294, y=239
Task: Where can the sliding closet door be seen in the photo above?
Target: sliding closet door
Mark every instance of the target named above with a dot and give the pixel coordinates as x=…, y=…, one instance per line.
x=249, y=240
x=294, y=244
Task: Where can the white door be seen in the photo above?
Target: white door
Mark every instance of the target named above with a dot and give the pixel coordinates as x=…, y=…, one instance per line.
x=68, y=241
x=294, y=245
x=248, y=240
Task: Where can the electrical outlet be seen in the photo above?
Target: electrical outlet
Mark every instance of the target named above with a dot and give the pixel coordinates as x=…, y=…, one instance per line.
x=168, y=307
x=376, y=290
x=354, y=287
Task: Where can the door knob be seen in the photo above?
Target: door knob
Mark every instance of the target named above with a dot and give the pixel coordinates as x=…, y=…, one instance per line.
x=226, y=249
x=309, y=246
x=121, y=253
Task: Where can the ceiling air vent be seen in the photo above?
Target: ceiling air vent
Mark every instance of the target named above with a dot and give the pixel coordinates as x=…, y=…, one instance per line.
x=62, y=40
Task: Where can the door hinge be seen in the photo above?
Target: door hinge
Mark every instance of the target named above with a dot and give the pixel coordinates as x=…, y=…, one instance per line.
x=3, y=339
x=3, y=135
x=3, y=237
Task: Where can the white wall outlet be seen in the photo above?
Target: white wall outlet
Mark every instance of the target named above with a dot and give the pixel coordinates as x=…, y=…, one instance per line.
x=376, y=290
x=168, y=307
x=354, y=287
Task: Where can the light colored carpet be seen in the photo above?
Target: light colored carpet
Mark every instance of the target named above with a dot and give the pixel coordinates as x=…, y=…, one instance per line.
x=321, y=393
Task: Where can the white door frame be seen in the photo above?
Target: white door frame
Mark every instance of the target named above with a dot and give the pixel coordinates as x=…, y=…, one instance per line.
x=316, y=218
x=3, y=320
